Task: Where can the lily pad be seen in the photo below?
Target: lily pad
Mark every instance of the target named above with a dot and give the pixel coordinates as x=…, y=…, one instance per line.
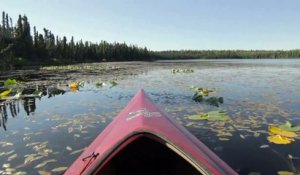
x=211, y=116
x=59, y=169
x=289, y=127
x=278, y=139
x=198, y=97
x=44, y=163
x=201, y=91
x=214, y=101
x=182, y=70
x=5, y=93
x=10, y=82
x=273, y=129
x=285, y=173
x=113, y=83
x=99, y=84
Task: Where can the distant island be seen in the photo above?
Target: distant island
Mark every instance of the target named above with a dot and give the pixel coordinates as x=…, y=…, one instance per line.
x=19, y=48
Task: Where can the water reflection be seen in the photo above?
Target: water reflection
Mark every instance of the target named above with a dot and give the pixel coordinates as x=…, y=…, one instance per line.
x=3, y=113
x=12, y=107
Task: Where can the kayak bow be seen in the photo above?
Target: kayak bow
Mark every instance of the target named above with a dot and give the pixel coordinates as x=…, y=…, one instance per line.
x=143, y=139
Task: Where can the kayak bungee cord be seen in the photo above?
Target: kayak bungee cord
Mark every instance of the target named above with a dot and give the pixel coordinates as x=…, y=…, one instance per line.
x=91, y=157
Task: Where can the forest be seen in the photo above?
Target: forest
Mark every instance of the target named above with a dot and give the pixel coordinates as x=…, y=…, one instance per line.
x=223, y=54
x=21, y=46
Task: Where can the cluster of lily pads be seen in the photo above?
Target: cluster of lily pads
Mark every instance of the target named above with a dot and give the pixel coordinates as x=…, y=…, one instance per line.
x=13, y=89
x=210, y=116
x=283, y=134
x=224, y=126
x=202, y=95
x=182, y=70
x=102, y=84
x=80, y=67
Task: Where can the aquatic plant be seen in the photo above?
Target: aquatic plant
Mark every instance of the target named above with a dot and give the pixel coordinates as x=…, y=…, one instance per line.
x=201, y=95
x=211, y=116
x=112, y=83
x=289, y=127
x=278, y=139
x=182, y=71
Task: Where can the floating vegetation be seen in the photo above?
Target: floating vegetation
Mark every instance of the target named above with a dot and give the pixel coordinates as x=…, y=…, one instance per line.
x=264, y=146
x=70, y=130
x=211, y=116
x=55, y=91
x=20, y=173
x=44, y=172
x=201, y=95
x=40, y=146
x=223, y=139
x=201, y=91
x=9, y=170
x=69, y=148
x=278, y=139
x=5, y=93
x=5, y=144
x=44, y=163
x=12, y=157
x=77, y=151
x=6, y=165
x=76, y=135
x=32, y=157
x=287, y=126
x=281, y=136
x=112, y=83
x=182, y=70
x=214, y=101
x=274, y=130
x=10, y=82
x=286, y=173
x=9, y=152
x=45, y=152
x=82, y=67
x=99, y=84
x=14, y=90
x=59, y=169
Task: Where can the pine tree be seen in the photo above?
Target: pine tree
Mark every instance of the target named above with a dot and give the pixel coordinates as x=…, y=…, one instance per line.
x=27, y=38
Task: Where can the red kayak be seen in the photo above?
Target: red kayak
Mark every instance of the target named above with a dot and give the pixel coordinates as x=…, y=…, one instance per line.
x=145, y=140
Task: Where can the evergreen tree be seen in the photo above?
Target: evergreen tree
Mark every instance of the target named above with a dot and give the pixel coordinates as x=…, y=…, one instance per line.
x=17, y=42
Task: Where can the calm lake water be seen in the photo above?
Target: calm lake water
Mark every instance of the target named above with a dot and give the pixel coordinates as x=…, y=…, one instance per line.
x=38, y=135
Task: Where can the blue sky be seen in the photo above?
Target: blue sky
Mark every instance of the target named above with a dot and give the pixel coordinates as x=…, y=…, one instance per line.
x=169, y=24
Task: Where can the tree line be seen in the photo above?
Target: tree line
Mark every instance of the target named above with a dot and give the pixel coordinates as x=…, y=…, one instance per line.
x=19, y=47
x=219, y=54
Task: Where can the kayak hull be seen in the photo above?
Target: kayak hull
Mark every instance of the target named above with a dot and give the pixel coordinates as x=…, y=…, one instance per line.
x=142, y=120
